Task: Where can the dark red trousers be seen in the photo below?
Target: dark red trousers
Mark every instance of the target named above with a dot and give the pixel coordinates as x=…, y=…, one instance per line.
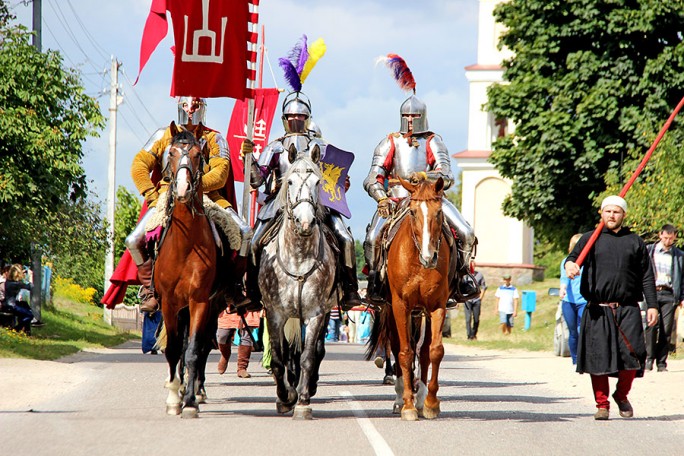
x=602, y=388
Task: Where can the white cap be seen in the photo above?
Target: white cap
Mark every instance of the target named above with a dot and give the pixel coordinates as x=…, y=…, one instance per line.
x=614, y=200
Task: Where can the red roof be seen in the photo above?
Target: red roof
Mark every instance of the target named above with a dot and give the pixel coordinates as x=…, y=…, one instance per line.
x=472, y=154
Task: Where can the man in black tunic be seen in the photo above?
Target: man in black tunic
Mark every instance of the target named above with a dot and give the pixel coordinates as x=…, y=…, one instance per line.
x=617, y=274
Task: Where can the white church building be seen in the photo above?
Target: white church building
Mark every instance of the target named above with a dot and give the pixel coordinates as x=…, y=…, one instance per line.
x=505, y=245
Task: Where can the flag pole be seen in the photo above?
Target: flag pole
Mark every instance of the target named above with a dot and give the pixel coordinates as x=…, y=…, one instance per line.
x=628, y=185
x=246, y=191
x=260, y=76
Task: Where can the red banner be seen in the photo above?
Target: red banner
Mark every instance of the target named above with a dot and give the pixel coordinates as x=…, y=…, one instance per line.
x=211, y=45
x=265, y=103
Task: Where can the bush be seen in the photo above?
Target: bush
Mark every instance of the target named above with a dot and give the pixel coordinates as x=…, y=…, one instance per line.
x=67, y=289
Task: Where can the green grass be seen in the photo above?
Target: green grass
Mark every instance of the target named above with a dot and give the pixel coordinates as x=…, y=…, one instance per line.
x=538, y=338
x=69, y=328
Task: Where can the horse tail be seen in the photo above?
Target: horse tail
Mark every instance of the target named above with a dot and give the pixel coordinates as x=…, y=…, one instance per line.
x=293, y=334
x=379, y=335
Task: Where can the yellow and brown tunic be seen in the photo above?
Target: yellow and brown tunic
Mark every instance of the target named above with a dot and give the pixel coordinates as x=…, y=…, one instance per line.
x=150, y=158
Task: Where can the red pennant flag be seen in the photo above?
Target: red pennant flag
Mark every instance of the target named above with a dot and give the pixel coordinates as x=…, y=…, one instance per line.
x=154, y=31
x=265, y=103
x=211, y=45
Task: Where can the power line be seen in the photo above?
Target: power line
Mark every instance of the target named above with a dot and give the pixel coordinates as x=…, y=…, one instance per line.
x=62, y=20
x=125, y=75
x=131, y=129
x=103, y=53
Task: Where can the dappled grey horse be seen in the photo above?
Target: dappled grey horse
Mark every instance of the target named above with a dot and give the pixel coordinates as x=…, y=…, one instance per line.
x=297, y=282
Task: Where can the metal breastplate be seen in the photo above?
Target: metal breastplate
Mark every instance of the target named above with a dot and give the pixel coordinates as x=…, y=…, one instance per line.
x=409, y=158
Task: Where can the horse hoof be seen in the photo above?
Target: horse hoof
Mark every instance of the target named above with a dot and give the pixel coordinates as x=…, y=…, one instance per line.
x=420, y=412
x=396, y=409
x=282, y=407
x=302, y=412
x=174, y=409
x=201, y=398
x=431, y=413
x=190, y=412
x=388, y=380
x=409, y=415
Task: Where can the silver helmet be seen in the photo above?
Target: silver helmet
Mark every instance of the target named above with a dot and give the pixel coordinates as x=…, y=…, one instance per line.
x=296, y=103
x=198, y=116
x=414, y=106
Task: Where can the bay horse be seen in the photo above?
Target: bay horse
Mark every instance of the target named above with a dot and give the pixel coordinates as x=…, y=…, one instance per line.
x=418, y=277
x=185, y=273
x=297, y=282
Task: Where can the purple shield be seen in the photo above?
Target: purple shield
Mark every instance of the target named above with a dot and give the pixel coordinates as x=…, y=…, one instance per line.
x=335, y=165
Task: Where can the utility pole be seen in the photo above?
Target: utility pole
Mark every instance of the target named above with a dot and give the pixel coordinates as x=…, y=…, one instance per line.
x=38, y=24
x=114, y=101
x=36, y=251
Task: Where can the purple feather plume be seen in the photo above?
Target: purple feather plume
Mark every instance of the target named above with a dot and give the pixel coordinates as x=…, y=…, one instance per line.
x=291, y=75
x=303, y=55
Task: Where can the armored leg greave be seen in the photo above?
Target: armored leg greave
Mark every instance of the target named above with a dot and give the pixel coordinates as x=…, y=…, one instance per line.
x=245, y=231
x=135, y=242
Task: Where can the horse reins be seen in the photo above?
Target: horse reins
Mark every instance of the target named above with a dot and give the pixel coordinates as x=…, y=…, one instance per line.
x=301, y=278
x=413, y=231
x=196, y=176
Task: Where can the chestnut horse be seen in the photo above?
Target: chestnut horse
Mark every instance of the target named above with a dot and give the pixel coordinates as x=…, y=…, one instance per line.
x=185, y=272
x=418, y=276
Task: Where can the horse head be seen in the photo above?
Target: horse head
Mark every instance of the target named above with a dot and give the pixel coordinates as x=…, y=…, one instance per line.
x=186, y=163
x=299, y=194
x=425, y=210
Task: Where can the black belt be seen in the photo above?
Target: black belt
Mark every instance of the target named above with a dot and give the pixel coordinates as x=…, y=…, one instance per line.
x=663, y=288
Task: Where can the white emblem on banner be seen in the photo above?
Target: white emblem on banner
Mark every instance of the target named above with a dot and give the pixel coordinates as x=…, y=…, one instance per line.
x=206, y=33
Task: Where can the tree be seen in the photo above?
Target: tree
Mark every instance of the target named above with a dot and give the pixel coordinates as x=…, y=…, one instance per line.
x=125, y=218
x=45, y=116
x=78, y=242
x=588, y=87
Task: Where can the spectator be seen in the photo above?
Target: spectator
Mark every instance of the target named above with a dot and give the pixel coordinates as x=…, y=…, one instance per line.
x=3, y=279
x=668, y=265
x=228, y=324
x=472, y=307
x=617, y=273
x=572, y=302
x=14, y=284
x=507, y=302
x=334, y=325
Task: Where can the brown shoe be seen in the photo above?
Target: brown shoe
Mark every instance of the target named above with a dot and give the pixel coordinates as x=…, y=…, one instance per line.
x=602, y=414
x=148, y=302
x=626, y=410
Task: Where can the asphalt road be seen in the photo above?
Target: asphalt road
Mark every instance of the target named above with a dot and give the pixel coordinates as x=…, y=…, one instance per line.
x=112, y=402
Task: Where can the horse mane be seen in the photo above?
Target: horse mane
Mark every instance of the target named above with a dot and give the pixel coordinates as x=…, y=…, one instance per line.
x=425, y=191
x=281, y=198
x=184, y=137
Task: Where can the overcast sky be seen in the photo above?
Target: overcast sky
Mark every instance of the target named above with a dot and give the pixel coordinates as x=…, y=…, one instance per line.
x=354, y=102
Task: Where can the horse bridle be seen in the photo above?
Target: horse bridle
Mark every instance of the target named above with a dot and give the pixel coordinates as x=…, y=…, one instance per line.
x=195, y=175
x=413, y=228
x=289, y=209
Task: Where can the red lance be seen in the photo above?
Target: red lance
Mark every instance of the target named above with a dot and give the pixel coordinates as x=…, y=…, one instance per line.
x=629, y=183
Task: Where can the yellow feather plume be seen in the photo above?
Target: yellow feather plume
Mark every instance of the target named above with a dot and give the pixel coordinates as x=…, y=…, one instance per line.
x=316, y=51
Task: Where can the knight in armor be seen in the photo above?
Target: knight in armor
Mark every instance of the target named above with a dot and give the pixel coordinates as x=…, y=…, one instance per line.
x=152, y=158
x=273, y=163
x=414, y=149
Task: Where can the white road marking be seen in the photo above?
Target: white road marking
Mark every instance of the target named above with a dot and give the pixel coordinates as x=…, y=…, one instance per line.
x=374, y=438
